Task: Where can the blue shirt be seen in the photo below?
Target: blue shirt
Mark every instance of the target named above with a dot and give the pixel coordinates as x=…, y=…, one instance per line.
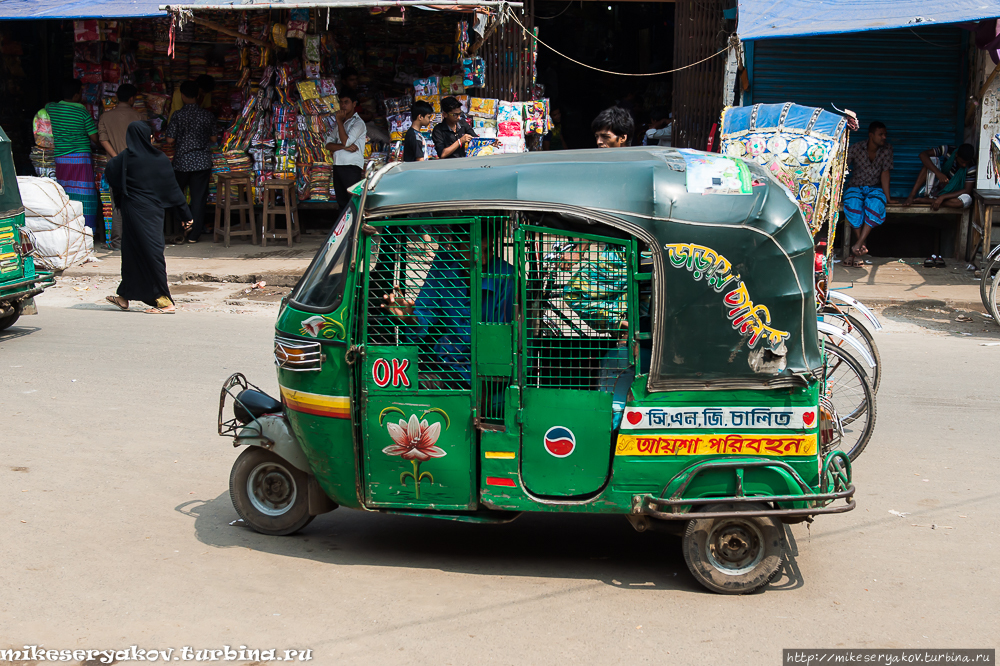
x=443, y=312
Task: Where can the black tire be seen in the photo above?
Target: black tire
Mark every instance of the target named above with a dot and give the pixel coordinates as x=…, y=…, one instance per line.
x=993, y=307
x=858, y=409
x=853, y=326
x=9, y=320
x=986, y=280
x=734, y=555
x=270, y=494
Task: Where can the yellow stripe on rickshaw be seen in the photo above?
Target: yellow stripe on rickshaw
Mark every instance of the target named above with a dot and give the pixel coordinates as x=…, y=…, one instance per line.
x=333, y=406
x=8, y=255
x=716, y=444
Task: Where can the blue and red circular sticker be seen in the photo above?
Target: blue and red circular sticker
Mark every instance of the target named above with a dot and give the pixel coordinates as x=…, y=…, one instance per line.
x=560, y=441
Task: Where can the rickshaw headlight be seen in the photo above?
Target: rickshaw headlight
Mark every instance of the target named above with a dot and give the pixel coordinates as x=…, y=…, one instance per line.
x=297, y=355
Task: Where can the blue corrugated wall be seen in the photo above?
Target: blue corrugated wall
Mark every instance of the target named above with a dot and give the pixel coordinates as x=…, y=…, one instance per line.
x=915, y=81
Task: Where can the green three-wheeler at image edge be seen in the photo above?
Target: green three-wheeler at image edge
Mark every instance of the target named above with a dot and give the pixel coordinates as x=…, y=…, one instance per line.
x=627, y=331
x=19, y=281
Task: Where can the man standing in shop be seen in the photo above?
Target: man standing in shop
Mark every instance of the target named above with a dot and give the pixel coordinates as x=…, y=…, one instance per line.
x=414, y=143
x=347, y=145
x=192, y=129
x=111, y=130
x=613, y=128
x=206, y=85
x=73, y=133
x=453, y=135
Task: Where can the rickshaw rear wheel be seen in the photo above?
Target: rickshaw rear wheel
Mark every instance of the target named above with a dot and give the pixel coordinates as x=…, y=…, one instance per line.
x=734, y=555
x=9, y=319
x=270, y=494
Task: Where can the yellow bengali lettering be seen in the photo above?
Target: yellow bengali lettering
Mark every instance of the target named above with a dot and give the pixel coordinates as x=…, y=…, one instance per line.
x=716, y=444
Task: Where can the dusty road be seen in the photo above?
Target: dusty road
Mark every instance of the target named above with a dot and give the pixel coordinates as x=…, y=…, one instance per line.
x=116, y=525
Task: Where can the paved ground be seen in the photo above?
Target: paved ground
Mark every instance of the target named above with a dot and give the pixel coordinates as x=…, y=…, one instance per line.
x=117, y=522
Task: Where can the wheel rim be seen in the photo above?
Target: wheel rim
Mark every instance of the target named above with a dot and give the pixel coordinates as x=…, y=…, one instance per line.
x=735, y=546
x=271, y=488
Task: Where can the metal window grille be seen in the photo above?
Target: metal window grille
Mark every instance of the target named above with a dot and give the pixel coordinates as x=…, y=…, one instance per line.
x=427, y=269
x=576, y=296
x=492, y=391
x=498, y=248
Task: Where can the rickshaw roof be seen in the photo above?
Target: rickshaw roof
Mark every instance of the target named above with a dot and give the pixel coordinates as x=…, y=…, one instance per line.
x=695, y=210
x=644, y=182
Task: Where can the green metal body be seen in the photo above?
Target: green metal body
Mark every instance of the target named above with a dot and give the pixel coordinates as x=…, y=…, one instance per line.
x=19, y=280
x=549, y=407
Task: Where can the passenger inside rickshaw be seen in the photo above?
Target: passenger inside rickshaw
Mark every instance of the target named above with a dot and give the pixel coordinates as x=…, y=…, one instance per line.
x=576, y=283
x=440, y=316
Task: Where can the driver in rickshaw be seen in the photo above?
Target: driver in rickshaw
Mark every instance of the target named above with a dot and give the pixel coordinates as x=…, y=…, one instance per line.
x=441, y=314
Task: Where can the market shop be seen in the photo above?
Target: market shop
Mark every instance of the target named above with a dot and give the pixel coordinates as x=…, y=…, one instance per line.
x=276, y=74
x=920, y=69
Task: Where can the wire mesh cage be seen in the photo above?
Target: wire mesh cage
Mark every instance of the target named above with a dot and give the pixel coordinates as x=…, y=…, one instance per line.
x=577, y=315
x=420, y=293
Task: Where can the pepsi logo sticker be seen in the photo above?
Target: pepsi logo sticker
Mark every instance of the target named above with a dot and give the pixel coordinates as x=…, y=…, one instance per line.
x=560, y=441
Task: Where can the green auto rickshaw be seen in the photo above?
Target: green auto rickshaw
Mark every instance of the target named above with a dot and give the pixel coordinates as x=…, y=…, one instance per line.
x=627, y=331
x=19, y=281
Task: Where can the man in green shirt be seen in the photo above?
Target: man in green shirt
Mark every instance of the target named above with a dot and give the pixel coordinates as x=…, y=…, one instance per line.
x=73, y=133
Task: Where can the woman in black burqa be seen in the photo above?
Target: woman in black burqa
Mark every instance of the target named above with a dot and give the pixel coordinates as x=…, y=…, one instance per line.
x=143, y=186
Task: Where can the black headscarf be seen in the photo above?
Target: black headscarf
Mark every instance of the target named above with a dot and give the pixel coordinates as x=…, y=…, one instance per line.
x=142, y=171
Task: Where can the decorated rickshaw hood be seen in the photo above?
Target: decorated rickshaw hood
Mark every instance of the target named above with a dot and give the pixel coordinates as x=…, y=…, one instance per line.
x=733, y=256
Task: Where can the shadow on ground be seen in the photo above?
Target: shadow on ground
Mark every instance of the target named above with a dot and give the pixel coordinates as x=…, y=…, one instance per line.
x=597, y=548
x=935, y=315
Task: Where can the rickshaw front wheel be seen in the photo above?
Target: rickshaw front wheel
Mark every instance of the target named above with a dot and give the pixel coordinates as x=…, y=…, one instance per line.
x=734, y=555
x=269, y=494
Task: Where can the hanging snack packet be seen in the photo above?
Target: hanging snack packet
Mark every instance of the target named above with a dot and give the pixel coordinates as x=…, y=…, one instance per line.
x=483, y=107
x=298, y=23
x=278, y=35
x=311, y=48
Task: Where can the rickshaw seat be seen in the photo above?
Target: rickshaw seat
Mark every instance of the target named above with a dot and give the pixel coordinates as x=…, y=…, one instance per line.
x=250, y=404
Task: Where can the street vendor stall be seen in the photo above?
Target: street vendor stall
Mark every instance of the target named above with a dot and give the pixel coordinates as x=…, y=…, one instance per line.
x=277, y=73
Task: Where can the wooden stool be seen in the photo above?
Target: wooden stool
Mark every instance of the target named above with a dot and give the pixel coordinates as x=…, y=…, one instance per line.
x=228, y=202
x=272, y=211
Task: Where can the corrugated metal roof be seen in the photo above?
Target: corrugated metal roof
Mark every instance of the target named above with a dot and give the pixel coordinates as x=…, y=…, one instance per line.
x=912, y=81
x=767, y=19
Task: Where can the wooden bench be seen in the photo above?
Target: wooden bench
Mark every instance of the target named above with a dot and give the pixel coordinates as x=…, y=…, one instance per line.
x=964, y=216
x=982, y=224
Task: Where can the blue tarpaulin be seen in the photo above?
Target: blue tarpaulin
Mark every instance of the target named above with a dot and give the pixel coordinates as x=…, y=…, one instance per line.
x=764, y=19
x=78, y=9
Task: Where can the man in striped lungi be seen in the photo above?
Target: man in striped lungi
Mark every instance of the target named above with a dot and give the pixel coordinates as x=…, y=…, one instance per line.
x=74, y=132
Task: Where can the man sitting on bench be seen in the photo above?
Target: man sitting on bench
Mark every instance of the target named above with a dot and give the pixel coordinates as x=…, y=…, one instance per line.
x=868, y=190
x=947, y=179
x=950, y=185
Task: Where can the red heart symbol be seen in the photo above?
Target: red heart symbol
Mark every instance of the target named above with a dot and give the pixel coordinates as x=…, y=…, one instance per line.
x=634, y=417
x=809, y=417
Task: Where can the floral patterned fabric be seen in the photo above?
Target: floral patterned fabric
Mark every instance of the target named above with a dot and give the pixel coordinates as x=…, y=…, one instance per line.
x=802, y=148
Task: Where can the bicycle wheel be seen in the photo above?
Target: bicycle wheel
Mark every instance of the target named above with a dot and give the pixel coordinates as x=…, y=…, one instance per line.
x=849, y=392
x=852, y=326
x=993, y=307
x=986, y=281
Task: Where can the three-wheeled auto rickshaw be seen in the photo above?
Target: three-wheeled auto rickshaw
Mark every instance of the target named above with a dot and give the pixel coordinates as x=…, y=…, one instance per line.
x=627, y=331
x=19, y=281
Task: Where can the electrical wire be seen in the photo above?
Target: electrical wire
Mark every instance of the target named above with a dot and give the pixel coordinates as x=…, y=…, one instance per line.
x=548, y=18
x=531, y=35
x=940, y=46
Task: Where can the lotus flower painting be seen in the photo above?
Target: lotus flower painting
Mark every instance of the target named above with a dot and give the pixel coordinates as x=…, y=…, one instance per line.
x=416, y=441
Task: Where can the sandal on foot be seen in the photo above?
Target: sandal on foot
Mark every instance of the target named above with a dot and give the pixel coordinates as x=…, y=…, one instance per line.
x=117, y=302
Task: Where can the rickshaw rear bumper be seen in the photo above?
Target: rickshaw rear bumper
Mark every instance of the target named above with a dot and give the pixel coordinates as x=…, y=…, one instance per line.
x=834, y=484
x=28, y=288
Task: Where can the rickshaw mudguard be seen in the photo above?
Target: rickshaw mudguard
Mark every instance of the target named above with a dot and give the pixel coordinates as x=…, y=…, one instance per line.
x=680, y=499
x=274, y=433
